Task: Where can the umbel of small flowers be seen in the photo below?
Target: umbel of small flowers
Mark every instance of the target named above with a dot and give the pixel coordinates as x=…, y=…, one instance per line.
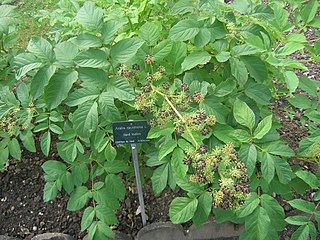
x=221, y=170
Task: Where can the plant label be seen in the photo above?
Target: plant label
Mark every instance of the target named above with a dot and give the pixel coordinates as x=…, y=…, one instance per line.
x=129, y=132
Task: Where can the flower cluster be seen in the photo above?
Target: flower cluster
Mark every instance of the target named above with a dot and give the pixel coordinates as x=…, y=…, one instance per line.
x=13, y=122
x=222, y=170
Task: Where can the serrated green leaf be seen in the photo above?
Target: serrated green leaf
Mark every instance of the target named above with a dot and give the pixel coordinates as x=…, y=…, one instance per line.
x=40, y=80
x=55, y=128
x=90, y=16
x=297, y=220
x=250, y=204
x=194, y=59
x=308, y=178
x=283, y=170
x=107, y=107
x=115, y=186
x=300, y=101
x=258, y=92
x=25, y=62
x=59, y=86
x=202, y=38
x=267, y=167
x=182, y=7
x=279, y=148
x=167, y=148
x=28, y=141
x=78, y=198
x=87, y=218
x=4, y=155
x=274, y=210
x=256, y=67
x=239, y=71
x=223, y=56
x=182, y=209
x=203, y=209
x=258, y=225
x=92, y=58
x=184, y=30
x=14, y=149
x=82, y=95
x=150, y=32
x=41, y=48
x=248, y=154
x=292, y=80
x=309, y=11
x=120, y=88
x=244, y=49
x=45, y=143
x=263, y=127
x=85, y=119
x=67, y=182
x=54, y=168
x=188, y=186
x=178, y=167
x=289, y=48
x=160, y=178
x=109, y=30
x=224, y=88
x=50, y=191
x=125, y=49
x=302, y=233
x=106, y=215
x=162, y=49
x=110, y=152
x=302, y=205
x=115, y=166
x=65, y=53
x=22, y=93
x=243, y=114
x=92, y=77
x=87, y=40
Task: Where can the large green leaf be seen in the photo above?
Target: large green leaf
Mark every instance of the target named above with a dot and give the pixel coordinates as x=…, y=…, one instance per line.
x=263, y=127
x=267, y=166
x=244, y=49
x=203, y=209
x=65, y=53
x=290, y=48
x=186, y=185
x=40, y=80
x=292, y=80
x=41, y=48
x=85, y=119
x=243, y=114
x=194, y=59
x=120, y=88
x=87, y=217
x=78, y=198
x=184, y=30
x=160, y=178
x=106, y=214
x=309, y=11
x=258, y=225
x=279, y=148
x=109, y=30
x=182, y=209
x=308, y=178
x=125, y=49
x=87, y=40
x=93, y=58
x=54, y=168
x=92, y=77
x=8, y=16
x=256, y=67
x=162, y=49
x=248, y=154
x=274, y=210
x=90, y=16
x=115, y=186
x=302, y=233
x=182, y=7
x=167, y=148
x=59, y=86
x=258, y=92
x=25, y=62
x=239, y=71
x=303, y=205
x=14, y=148
x=251, y=204
x=283, y=170
x=82, y=95
x=45, y=143
x=50, y=191
x=224, y=88
x=150, y=32
x=107, y=107
x=178, y=167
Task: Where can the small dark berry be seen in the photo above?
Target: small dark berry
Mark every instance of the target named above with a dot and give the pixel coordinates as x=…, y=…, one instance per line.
x=179, y=129
x=149, y=59
x=166, y=85
x=184, y=87
x=161, y=69
x=136, y=67
x=146, y=88
x=148, y=77
x=187, y=160
x=205, y=131
x=202, y=149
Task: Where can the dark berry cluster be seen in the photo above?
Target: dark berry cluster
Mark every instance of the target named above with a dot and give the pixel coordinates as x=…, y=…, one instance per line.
x=16, y=121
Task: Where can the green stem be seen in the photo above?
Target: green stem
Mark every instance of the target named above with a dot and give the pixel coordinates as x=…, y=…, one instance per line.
x=179, y=115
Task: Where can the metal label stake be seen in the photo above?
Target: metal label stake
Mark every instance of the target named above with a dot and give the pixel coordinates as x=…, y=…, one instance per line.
x=132, y=132
x=138, y=179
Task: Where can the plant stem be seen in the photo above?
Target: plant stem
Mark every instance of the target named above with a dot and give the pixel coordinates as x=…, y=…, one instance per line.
x=179, y=115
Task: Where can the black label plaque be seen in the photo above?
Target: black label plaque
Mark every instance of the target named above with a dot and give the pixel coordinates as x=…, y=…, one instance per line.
x=130, y=132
